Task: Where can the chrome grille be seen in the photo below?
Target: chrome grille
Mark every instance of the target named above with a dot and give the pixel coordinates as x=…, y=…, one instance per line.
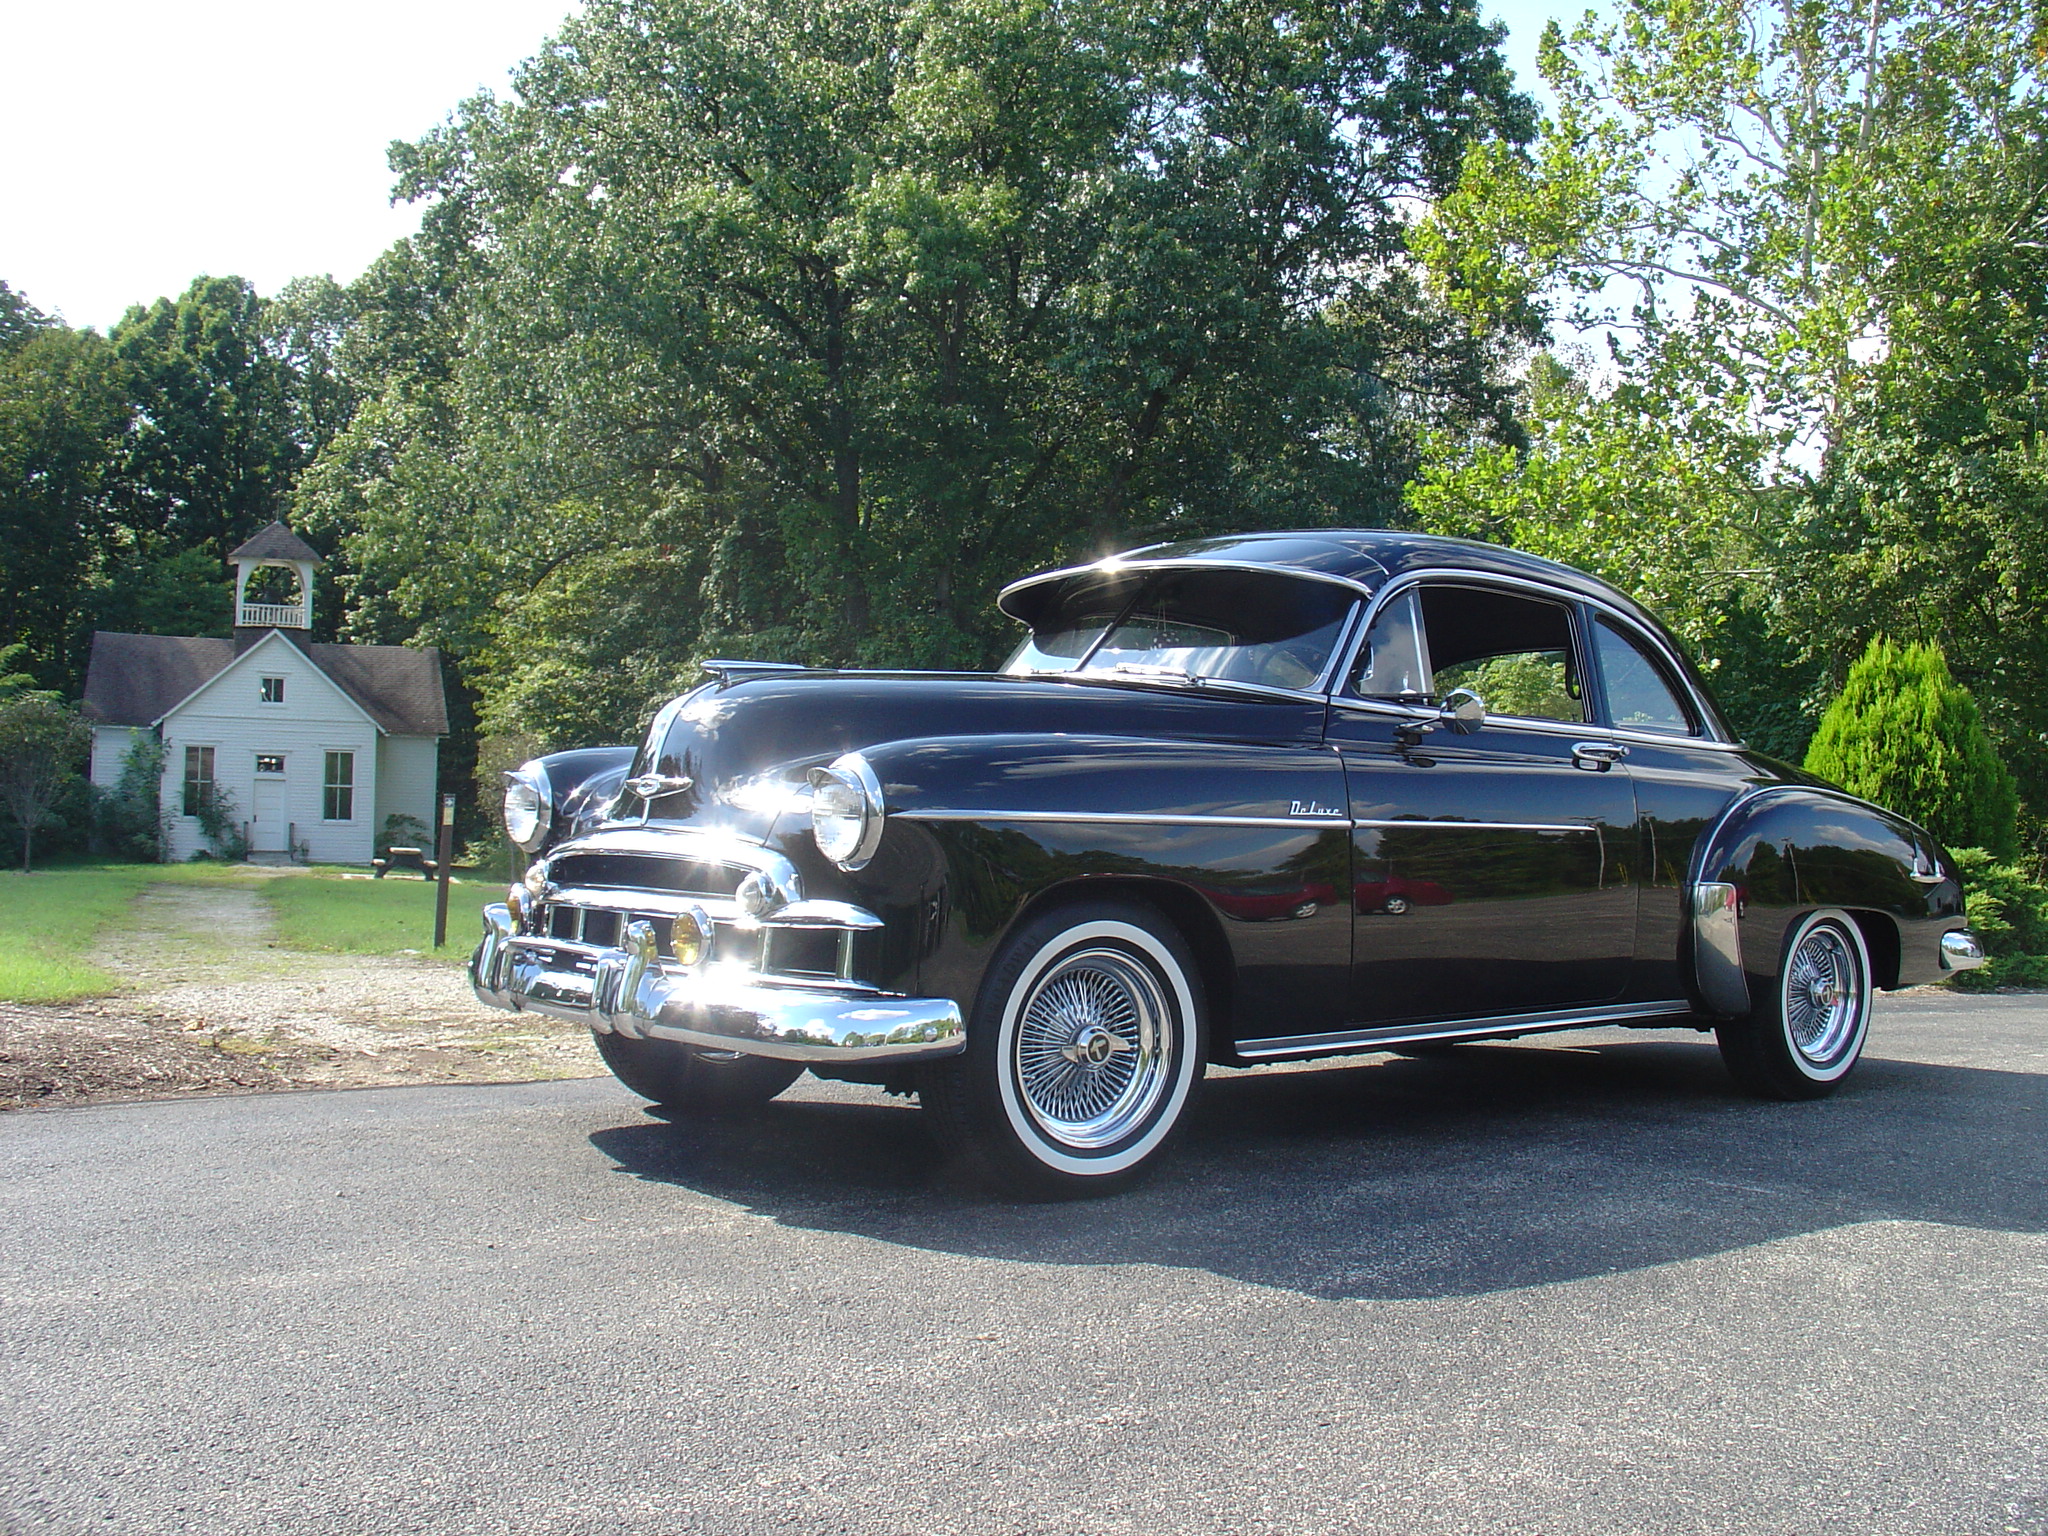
x=647, y=872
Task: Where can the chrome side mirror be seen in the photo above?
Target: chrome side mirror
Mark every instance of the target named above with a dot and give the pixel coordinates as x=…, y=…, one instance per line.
x=1463, y=711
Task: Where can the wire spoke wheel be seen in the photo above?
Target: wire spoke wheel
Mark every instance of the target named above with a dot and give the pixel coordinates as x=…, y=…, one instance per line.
x=1093, y=1048
x=1823, y=996
x=1806, y=1029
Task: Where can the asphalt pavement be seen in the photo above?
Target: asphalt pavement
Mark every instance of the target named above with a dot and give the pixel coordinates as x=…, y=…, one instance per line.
x=1574, y=1284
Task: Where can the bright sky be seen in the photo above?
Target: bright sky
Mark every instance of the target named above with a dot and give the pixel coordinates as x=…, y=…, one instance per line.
x=148, y=143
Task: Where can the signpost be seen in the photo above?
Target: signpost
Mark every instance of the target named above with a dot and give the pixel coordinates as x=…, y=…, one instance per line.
x=444, y=855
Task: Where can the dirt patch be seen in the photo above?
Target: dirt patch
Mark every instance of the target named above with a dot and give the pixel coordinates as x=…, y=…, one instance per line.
x=213, y=1005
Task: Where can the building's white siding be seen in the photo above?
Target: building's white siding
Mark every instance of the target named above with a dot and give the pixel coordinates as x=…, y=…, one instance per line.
x=315, y=718
x=407, y=771
x=110, y=744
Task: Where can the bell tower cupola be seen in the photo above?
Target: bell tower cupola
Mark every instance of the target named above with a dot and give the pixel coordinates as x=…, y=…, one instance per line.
x=265, y=596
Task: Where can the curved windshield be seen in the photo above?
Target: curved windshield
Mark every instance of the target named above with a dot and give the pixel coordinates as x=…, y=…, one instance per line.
x=1189, y=626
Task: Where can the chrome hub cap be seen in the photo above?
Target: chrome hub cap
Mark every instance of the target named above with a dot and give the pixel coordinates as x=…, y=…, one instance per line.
x=1094, y=1048
x=1823, y=997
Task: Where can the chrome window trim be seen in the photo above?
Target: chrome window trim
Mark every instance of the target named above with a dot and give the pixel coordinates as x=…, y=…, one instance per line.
x=1457, y=578
x=1277, y=1046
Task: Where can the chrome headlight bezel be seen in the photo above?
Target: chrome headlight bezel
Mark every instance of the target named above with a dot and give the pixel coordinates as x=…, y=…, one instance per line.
x=847, y=815
x=529, y=806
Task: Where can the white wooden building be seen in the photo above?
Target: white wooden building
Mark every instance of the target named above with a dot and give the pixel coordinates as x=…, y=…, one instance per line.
x=311, y=746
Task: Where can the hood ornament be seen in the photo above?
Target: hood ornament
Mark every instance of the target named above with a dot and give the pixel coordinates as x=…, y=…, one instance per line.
x=650, y=786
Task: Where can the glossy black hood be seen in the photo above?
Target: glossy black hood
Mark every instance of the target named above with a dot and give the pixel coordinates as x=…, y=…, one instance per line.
x=746, y=747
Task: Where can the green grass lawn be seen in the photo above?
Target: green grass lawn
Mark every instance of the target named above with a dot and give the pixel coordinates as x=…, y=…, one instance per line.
x=320, y=911
x=49, y=919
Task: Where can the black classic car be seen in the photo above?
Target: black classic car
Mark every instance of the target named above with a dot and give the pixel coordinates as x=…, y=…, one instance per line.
x=1240, y=800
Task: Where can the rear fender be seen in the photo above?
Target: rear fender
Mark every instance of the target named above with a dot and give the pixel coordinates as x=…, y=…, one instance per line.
x=1784, y=851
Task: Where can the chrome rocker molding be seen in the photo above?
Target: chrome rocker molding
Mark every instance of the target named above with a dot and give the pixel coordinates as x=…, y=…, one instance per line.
x=1717, y=948
x=636, y=994
x=1677, y=1010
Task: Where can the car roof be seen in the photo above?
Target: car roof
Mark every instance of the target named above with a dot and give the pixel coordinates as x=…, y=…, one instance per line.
x=1367, y=558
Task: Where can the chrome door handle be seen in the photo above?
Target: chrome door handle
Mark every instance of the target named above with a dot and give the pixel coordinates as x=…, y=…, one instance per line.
x=1597, y=756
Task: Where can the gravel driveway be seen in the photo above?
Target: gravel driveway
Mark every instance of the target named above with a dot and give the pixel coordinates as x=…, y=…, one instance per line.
x=211, y=1003
x=1564, y=1286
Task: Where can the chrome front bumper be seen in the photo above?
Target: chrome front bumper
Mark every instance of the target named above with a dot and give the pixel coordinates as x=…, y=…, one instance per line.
x=633, y=992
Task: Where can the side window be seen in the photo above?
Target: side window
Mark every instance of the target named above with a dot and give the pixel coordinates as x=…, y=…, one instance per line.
x=1515, y=652
x=1639, y=696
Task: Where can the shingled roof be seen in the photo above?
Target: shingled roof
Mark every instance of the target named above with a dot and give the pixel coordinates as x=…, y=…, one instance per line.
x=276, y=542
x=137, y=679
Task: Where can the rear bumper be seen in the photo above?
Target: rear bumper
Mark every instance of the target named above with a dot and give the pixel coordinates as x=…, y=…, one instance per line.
x=631, y=991
x=1960, y=950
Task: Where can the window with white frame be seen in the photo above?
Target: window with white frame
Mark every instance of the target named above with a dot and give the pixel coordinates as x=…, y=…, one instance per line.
x=270, y=762
x=338, y=800
x=272, y=691
x=198, y=778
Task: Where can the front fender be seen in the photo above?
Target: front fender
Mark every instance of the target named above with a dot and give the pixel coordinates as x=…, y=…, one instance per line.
x=1245, y=845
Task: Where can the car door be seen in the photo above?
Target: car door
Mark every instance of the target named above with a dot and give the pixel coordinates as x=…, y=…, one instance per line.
x=1686, y=774
x=1493, y=870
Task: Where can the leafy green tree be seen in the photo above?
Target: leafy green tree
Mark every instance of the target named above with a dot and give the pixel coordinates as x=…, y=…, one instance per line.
x=1825, y=225
x=212, y=453
x=1665, y=507
x=1905, y=734
x=800, y=325
x=19, y=319
x=42, y=742
x=64, y=413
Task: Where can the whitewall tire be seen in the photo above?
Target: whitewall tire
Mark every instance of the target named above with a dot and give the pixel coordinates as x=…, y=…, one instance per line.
x=1085, y=1049
x=1807, y=1032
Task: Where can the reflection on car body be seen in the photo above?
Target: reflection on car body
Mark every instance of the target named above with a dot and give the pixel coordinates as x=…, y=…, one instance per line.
x=1044, y=898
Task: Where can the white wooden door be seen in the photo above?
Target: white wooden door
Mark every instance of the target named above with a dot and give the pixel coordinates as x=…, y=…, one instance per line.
x=267, y=828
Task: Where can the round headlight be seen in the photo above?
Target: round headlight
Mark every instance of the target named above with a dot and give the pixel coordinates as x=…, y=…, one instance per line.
x=529, y=805
x=846, y=811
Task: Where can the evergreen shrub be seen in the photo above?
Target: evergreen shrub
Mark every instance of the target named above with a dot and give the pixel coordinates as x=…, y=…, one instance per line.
x=2009, y=913
x=1905, y=734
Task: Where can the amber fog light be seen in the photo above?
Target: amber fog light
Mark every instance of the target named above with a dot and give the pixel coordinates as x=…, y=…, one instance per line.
x=690, y=940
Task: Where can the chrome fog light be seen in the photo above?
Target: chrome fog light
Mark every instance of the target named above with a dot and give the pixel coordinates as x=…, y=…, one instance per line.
x=516, y=901
x=690, y=939
x=846, y=811
x=536, y=881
